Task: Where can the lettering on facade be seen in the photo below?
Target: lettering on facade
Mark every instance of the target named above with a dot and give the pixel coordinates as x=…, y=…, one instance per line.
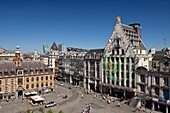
x=114, y=68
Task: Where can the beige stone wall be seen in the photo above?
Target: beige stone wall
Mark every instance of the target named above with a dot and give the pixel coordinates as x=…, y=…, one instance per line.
x=35, y=82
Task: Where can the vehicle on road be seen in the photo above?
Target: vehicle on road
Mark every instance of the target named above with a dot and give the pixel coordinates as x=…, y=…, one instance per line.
x=61, y=84
x=50, y=104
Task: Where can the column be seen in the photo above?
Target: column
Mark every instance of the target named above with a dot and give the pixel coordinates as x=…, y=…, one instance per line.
x=119, y=65
x=84, y=78
x=130, y=72
x=88, y=85
x=125, y=76
x=95, y=69
x=106, y=74
x=115, y=71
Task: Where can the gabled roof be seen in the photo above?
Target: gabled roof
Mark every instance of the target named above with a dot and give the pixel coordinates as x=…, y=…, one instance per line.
x=54, y=47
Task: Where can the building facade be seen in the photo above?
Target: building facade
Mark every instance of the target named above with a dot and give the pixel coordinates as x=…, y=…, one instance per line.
x=159, y=81
x=93, y=69
x=19, y=76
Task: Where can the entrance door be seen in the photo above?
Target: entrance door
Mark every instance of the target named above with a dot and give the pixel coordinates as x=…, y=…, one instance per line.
x=20, y=93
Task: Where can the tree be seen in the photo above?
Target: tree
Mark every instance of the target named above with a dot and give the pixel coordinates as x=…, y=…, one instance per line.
x=41, y=110
x=29, y=111
x=60, y=111
x=50, y=111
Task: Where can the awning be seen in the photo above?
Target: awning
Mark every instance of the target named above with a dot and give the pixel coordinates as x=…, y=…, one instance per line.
x=37, y=98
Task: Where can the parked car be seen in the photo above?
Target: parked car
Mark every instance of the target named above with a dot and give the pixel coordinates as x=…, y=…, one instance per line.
x=50, y=104
x=61, y=84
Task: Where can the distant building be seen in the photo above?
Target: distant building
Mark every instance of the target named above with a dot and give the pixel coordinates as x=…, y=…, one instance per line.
x=61, y=47
x=53, y=56
x=6, y=54
x=45, y=49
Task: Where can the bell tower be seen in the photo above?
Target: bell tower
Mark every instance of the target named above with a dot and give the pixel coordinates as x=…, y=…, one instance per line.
x=17, y=60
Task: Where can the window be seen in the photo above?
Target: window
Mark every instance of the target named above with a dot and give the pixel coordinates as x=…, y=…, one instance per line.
x=157, y=80
x=142, y=78
x=6, y=89
x=6, y=81
x=157, y=91
x=19, y=72
x=12, y=81
x=0, y=82
x=46, y=83
x=32, y=86
x=166, y=82
x=37, y=78
x=142, y=87
x=0, y=89
x=37, y=85
x=27, y=86
x=42, y=85
x=32, y=79
x=27, y=79
x=46, y=77
x=50, y=77
x=42, y=78
x=51, y=83
x=12, y=88
x=20, y=81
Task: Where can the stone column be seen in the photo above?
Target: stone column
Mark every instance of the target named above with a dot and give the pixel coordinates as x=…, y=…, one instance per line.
x=115, y=71
x=119, y=65
x=84, y=78
x=88, y=85
x=125, y=76
x=130, y=72
x=95, y=69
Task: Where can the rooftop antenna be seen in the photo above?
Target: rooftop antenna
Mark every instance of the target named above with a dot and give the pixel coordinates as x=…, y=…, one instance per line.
x=164, y=43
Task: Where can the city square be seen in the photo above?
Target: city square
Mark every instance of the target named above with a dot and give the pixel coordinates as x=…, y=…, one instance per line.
x=84, y=56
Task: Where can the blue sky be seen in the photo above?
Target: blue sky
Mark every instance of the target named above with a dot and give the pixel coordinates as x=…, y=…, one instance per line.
x=79, y=23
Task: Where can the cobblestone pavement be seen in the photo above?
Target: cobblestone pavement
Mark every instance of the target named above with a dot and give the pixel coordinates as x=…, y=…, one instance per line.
x=74, y=103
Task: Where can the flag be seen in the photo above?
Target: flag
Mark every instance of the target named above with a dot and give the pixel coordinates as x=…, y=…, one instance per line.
x=109, y=41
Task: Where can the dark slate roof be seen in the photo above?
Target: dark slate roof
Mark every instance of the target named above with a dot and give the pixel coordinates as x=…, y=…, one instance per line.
x=7, y=66
x=96, y=51
x=158, y=55
x=54, y=47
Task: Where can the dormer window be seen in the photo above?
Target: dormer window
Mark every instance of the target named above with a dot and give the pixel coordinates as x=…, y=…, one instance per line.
x=19, y=72
x=46, y=70
x=37, y=71
x=6, y=72
x=41, y=70
x=31, y=71
x=25, y=71
x=12, y=72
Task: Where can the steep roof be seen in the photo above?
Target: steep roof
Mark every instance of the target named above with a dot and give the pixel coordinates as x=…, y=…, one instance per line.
x=54, y=47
